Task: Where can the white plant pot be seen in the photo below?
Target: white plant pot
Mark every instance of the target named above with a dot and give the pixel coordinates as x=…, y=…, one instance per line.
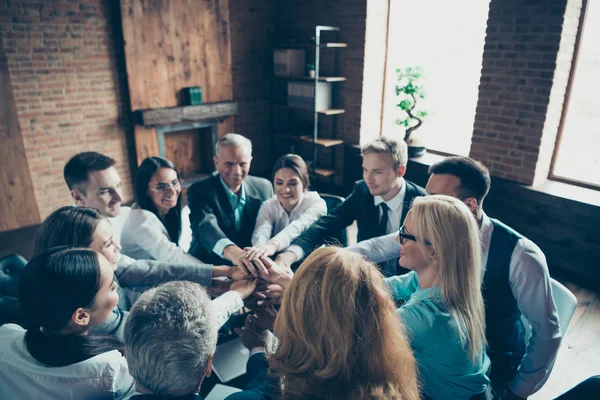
x=311, y=73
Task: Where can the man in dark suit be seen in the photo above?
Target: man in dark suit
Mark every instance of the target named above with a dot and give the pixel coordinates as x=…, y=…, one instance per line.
x=378, y=203
x=224, y=206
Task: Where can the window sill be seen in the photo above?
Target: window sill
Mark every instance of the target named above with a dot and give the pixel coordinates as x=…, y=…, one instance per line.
x=549, y=187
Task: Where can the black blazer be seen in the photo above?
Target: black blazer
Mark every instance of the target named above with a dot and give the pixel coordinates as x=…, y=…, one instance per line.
x=359, y=207
x=260, y=385
x=212, y=218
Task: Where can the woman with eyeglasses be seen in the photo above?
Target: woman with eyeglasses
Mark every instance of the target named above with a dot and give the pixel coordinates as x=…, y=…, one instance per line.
x=156, y=228
x=443, y=313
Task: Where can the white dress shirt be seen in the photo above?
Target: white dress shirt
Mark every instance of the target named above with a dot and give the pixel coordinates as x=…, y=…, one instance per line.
x=273, y=222
x=396, y=205
x=145, y=237
x=530, y=284
x=104, y=376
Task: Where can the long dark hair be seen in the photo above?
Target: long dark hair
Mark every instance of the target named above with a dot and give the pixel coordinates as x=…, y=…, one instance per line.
x=53, y=285
x=148, y=167
x=295, y=163
x=68, y=226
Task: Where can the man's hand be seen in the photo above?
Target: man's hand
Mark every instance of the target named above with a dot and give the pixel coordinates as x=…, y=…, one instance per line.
x=265, y=250
x=238, y=257
x=276, y=273
x=244, y=287
x=268, y=294
x=252, y=336
x=235, y=272
x=264, y=317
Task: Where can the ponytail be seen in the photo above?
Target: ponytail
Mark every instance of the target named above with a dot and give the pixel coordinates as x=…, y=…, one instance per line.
x=62, y=350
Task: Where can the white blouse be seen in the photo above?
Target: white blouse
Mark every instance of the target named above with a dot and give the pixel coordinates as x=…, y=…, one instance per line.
x=104, y=376
x=145, y=237
x=273, y=222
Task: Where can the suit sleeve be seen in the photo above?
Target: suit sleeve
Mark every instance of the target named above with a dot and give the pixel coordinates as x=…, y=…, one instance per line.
x=260, y=386
x=204, y=224
x=338, y=219
x=147, y=273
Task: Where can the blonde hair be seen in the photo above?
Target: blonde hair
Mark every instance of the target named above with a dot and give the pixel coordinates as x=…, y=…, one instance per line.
x=452, y=232
x=394, y=148
x=339, y=334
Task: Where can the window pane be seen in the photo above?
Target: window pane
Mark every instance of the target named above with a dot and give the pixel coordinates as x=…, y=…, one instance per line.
x=446, y=39
x=578, y=155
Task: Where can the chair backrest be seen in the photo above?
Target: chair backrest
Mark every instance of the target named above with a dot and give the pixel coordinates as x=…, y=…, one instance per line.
x=565, y=301
x=11, y=267
x=332, y=202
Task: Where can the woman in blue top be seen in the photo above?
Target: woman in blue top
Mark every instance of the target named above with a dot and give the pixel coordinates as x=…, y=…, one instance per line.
x=443, y=313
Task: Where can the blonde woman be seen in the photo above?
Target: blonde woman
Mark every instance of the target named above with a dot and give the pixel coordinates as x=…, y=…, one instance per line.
x=444, y=312
x=339, y=336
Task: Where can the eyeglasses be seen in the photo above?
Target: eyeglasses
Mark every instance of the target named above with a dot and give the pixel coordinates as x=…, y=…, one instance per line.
x=403, y=235
x=165, y=187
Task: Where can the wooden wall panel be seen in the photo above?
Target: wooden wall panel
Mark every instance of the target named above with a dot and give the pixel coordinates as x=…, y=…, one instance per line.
x=146, y=143
x=170, y=45
x=18, y=205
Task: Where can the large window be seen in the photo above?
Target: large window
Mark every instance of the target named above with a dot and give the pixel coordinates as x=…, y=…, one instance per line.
x=577, y=153
x=445, y=39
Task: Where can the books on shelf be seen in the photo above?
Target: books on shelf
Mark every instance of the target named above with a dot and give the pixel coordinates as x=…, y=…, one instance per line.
x=289, y=62
x=302, y=95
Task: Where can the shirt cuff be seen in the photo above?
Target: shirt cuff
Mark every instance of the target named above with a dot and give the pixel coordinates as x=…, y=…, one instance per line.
x=220, y=246
x=257, y=350
x=297, y=250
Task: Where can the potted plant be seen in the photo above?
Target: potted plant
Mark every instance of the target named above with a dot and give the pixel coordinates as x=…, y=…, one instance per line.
x=408, y=92
x=310, y=68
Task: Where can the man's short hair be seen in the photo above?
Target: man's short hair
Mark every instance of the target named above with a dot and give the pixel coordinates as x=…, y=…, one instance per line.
x=80, y=165
x=235, y=140
x=170, y=334
x=394, y=148
x=474, y=177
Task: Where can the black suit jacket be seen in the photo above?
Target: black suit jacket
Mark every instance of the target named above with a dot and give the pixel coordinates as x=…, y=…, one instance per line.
x=212, y=218
x=359, y=207
x=260, y=385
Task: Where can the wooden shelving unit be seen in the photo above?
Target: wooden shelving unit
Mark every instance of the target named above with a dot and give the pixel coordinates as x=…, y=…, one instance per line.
x=317, y=140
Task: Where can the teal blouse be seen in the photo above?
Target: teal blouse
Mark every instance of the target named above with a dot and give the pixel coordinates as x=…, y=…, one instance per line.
x=446, y=370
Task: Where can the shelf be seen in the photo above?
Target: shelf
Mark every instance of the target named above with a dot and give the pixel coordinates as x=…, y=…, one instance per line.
x=321, y=172
x=308, y=78
x=329, y=45
x=321, y=142
x=332, y=111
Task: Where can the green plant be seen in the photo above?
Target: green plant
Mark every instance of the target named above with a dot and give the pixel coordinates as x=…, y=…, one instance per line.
x=408, y=91
x=310, y=67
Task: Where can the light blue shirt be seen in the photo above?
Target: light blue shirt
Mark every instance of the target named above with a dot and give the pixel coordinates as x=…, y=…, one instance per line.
x=445, y=366
x=237, y=204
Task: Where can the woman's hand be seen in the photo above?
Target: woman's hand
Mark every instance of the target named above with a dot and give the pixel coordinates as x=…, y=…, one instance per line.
x=264, y=250
x=268, y=294
x=244, y=287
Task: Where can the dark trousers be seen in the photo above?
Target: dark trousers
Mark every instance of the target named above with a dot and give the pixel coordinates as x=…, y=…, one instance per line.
x=588, y=389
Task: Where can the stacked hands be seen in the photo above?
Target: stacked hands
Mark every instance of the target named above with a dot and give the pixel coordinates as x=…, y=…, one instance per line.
x=261, y=283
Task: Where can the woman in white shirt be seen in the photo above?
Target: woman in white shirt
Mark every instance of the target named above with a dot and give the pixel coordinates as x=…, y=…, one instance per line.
x=156, y=228
x=63, y=293
x=290, y=211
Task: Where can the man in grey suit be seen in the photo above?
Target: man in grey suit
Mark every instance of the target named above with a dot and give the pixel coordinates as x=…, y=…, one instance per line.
x=94, y=182
x=224, y=206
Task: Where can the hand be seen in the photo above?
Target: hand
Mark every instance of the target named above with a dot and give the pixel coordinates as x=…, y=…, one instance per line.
x=286, y=258
x=279, y=274
x=233, y=272
x=264, y=317
x=244, y=287
x=252, y=336
x=238, y=257
x=269, y=294
x=218, y=287
x=265, y=250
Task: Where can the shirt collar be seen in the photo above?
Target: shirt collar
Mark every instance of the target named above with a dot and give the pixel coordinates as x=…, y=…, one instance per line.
x=233, y=198
x=395, y=202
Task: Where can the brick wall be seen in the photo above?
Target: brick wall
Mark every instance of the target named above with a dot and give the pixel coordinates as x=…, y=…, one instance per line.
x=61, y=58
x=526, y=62
x=252, y=74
